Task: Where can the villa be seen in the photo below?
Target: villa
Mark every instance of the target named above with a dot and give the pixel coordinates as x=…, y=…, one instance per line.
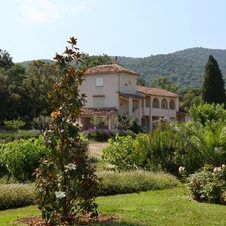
x=112, y=90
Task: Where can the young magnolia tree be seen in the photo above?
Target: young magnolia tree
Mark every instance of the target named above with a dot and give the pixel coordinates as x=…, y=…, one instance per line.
x=66, y=181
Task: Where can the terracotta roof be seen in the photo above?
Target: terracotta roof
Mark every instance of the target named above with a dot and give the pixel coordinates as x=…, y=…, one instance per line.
x=127, y=95
x=99, y=112
x=156, y=91
x=106, y=69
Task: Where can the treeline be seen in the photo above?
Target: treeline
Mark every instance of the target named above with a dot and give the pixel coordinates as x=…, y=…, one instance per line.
x=25, y=87
x=24, y=91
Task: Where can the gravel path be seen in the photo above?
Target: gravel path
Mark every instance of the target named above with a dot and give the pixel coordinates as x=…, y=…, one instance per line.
x=96, y=148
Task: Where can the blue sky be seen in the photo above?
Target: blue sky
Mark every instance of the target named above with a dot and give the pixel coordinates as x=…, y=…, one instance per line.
x=37, y=29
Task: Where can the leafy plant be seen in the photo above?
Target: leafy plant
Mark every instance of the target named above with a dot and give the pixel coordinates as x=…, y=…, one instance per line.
x=206, y=133
x=124, y=121
x=99, y=135
x=120, y=153
x=66, y=181
x=208, y=185
x=15, y=124
x=208, y=112
x=22, y=157
x=42, y=123
x=99, y=122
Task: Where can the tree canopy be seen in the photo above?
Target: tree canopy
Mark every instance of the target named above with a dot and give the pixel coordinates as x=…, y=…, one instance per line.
x=164, y=82
x=95, y=60
x=6, y=61
x=184, y=68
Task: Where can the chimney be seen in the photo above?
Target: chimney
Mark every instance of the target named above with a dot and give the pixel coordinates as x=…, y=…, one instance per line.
x=115, y=60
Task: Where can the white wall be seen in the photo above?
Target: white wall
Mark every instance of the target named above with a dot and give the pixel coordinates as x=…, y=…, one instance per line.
x=128, y=83
x=109, y=89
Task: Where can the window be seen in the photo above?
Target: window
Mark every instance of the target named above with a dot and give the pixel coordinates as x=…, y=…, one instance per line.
x=98, y=102
x=99, y=81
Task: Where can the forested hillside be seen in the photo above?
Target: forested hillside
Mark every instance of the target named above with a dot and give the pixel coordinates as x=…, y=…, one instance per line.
x=185, y=68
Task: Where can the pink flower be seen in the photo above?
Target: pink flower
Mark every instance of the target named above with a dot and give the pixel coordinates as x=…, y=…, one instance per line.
x=181, y=169
x=217, y=169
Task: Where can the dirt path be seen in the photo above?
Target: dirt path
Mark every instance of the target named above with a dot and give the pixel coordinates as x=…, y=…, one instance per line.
x=96, y=148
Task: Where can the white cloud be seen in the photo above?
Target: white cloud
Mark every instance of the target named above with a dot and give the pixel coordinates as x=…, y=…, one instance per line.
x=38, y=12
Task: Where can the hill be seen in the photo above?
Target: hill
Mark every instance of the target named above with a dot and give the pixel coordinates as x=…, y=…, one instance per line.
x=185, y=68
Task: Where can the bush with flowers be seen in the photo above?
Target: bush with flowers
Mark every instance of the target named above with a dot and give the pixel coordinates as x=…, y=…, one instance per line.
x=209, y=184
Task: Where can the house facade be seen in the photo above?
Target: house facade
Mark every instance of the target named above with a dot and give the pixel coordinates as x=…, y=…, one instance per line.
x=112, y=90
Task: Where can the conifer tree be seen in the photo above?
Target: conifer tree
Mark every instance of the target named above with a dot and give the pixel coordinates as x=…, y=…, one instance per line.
x=213, y=90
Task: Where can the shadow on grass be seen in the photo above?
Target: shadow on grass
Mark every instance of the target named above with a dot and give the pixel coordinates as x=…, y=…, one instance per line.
x=112, y=221
x=118, y=223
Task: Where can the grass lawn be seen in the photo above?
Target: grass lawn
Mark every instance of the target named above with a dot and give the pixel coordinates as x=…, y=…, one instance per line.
x=7, y=216
x=167, y=207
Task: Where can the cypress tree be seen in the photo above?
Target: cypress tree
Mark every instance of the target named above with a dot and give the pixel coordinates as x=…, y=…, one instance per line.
x=213, y=90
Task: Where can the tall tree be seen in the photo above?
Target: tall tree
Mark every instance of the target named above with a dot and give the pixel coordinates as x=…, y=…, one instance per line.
x=190, y=97
x=213, y=90
x=12, y=92
x=39, y=82
x=15, y=76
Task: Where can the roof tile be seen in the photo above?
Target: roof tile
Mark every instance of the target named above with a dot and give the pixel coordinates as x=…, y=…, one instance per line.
x=111, y=68
x=155, y=91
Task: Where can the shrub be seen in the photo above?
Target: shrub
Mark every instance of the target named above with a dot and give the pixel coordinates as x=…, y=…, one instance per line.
x=208, y=185
x=16, y=195
x=136, y=128
x=165, y=149
x=3, y=169
x=160, y=150
x=99, y=135
x=134, y=181
x=102, y=135
x=14, y=124
x=22, y=157
x=120, y=153
x=41, y=123
x=6, y=137
x=124, y=121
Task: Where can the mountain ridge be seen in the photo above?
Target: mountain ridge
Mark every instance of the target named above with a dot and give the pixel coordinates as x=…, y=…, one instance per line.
x=185, y=68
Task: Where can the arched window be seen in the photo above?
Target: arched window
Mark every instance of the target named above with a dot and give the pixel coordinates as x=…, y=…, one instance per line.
x=164, y=104
x=155, y=103
x=172, y=105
